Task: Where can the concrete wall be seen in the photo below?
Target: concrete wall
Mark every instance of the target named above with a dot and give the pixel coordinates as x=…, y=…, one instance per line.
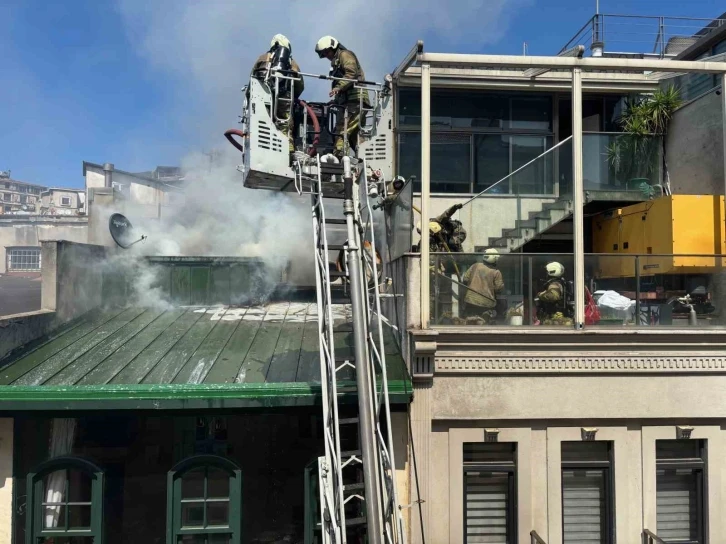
x=6, y=480
x=72, y=284
x=694, y=148
x=485, y=217
x=53, y=199
x=30, y=231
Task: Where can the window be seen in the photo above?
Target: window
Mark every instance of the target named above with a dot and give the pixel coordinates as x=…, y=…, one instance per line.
x=65, y=501
x=205, y=501
x=478, y=137
x=587, y=498
x=6, y=197
x=65, y=201
x=680, y=490
x=23, y=258
x=490, y=497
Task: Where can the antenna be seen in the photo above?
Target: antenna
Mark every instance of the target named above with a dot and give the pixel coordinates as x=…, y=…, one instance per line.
x=122, y=231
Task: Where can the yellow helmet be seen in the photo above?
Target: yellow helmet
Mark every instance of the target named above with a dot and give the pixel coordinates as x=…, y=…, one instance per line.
x=280, y=39
x=555, y=270
x=434, y=227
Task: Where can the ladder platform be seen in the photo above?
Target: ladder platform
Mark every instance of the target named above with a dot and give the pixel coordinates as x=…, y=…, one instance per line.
x=286, y=184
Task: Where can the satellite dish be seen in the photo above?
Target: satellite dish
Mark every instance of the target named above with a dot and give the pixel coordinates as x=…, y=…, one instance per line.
x=122, y=231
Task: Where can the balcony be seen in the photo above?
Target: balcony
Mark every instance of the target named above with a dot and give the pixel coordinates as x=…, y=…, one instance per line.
x=620, y=291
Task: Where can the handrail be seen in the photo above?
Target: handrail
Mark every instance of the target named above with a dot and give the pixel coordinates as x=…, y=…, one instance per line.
x=518, y=170
x=651, y=538
x=536, y=539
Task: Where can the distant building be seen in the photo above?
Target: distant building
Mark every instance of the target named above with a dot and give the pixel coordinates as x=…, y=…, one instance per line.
x=18, y=196
x=62, y=201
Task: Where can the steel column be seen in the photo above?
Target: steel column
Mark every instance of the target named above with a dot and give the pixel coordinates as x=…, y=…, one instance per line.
x=425, y=190
x=578, y=199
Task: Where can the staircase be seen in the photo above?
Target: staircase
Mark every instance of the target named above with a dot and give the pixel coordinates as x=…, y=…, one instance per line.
x=537, y=223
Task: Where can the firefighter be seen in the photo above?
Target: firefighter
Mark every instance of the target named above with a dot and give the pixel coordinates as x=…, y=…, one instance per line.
x=552, y=303
x=484, y=280
x=260, y=70
x=344, y=64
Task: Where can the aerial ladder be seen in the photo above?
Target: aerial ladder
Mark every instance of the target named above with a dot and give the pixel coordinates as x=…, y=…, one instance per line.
x=356, y=488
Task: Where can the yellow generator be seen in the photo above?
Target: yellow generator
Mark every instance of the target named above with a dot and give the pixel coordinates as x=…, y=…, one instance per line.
x=678, y=224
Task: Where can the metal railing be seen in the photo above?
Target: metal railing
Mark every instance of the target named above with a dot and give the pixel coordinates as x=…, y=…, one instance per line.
x=641, y=35
x=651, y=538
x=536, y=539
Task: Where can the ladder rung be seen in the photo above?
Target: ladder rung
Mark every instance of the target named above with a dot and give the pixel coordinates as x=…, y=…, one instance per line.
x=335, y=247
x=338, y=274
x=348, y=421
x=351, y=453
x=355, y=487
x=355, y=522
x=331, y=168
x=335, y=221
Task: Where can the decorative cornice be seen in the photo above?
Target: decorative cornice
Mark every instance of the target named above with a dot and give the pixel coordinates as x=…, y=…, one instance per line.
x=576, y=364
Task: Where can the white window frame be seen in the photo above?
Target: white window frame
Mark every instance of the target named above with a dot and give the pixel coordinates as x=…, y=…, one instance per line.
x=65, y=201
x=9, y=258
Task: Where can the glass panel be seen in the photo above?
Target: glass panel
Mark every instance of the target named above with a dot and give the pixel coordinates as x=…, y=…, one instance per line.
x=584, y=516
x=217, y=483
x=219, y=539
x=79, y=517
x=677, y=449
x=450, y=161
x=217, y=513
x=65, y=540
x=488, y=507
x=622, y=162
x=54, y=517
x=535, y=179
x=193, y=484
x=492, y=162
x=532, y=113
x=191, y=539
x=79, y=486
x=192, y=514
x=586, y=451
x=483, y=452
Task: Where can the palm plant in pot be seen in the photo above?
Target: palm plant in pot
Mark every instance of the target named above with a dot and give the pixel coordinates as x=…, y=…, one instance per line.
x=634, y=155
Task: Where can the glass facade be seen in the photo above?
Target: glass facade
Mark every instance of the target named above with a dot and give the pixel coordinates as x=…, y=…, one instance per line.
x=477, y=139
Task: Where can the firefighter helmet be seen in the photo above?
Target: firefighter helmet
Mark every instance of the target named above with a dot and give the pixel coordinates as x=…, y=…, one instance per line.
x=280, y=39
x=555, y=270
x=491, y=256
x=325, y=43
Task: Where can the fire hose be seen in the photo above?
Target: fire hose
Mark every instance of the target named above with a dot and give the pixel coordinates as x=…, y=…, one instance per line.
x=235, y=132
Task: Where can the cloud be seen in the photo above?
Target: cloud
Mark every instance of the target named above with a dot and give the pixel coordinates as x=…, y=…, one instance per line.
x=208, y=47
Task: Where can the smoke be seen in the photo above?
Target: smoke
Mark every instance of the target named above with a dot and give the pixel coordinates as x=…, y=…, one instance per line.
x=204, y=50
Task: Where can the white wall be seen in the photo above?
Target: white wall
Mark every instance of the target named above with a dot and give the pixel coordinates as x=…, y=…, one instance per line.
x=6, y=480
x=485, y=217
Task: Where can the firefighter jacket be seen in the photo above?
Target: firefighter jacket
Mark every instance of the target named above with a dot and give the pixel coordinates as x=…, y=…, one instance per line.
x=260, y=67
x=484, y=282
x=345, y=65
x=553, y=299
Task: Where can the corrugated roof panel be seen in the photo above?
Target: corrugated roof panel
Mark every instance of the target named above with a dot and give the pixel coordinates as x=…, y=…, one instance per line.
x=255, y=356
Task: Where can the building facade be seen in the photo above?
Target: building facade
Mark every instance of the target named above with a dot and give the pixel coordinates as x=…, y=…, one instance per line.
x=18, y=196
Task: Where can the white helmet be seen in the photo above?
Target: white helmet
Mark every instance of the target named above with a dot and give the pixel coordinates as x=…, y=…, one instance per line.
x=491, y=256
x=325, y=43
x=280, y=39
x=555, y=270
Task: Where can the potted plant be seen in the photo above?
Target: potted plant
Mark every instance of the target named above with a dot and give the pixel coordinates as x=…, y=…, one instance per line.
x=515, y=315
x=633, y=156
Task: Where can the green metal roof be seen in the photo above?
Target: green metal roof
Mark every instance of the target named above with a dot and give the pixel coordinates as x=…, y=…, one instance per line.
x=192, y=357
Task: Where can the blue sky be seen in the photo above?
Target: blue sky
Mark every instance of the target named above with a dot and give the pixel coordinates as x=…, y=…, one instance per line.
x=142, y=83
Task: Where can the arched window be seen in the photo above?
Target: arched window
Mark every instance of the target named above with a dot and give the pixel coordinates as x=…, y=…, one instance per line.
x=204, y=506
x=65, y=496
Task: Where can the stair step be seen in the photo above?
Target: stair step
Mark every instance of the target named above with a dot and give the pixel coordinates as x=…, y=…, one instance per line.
x=331, y=168
x=335, y=222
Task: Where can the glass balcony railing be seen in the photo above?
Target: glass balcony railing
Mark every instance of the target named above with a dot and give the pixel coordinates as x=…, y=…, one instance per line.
x=677, y=291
